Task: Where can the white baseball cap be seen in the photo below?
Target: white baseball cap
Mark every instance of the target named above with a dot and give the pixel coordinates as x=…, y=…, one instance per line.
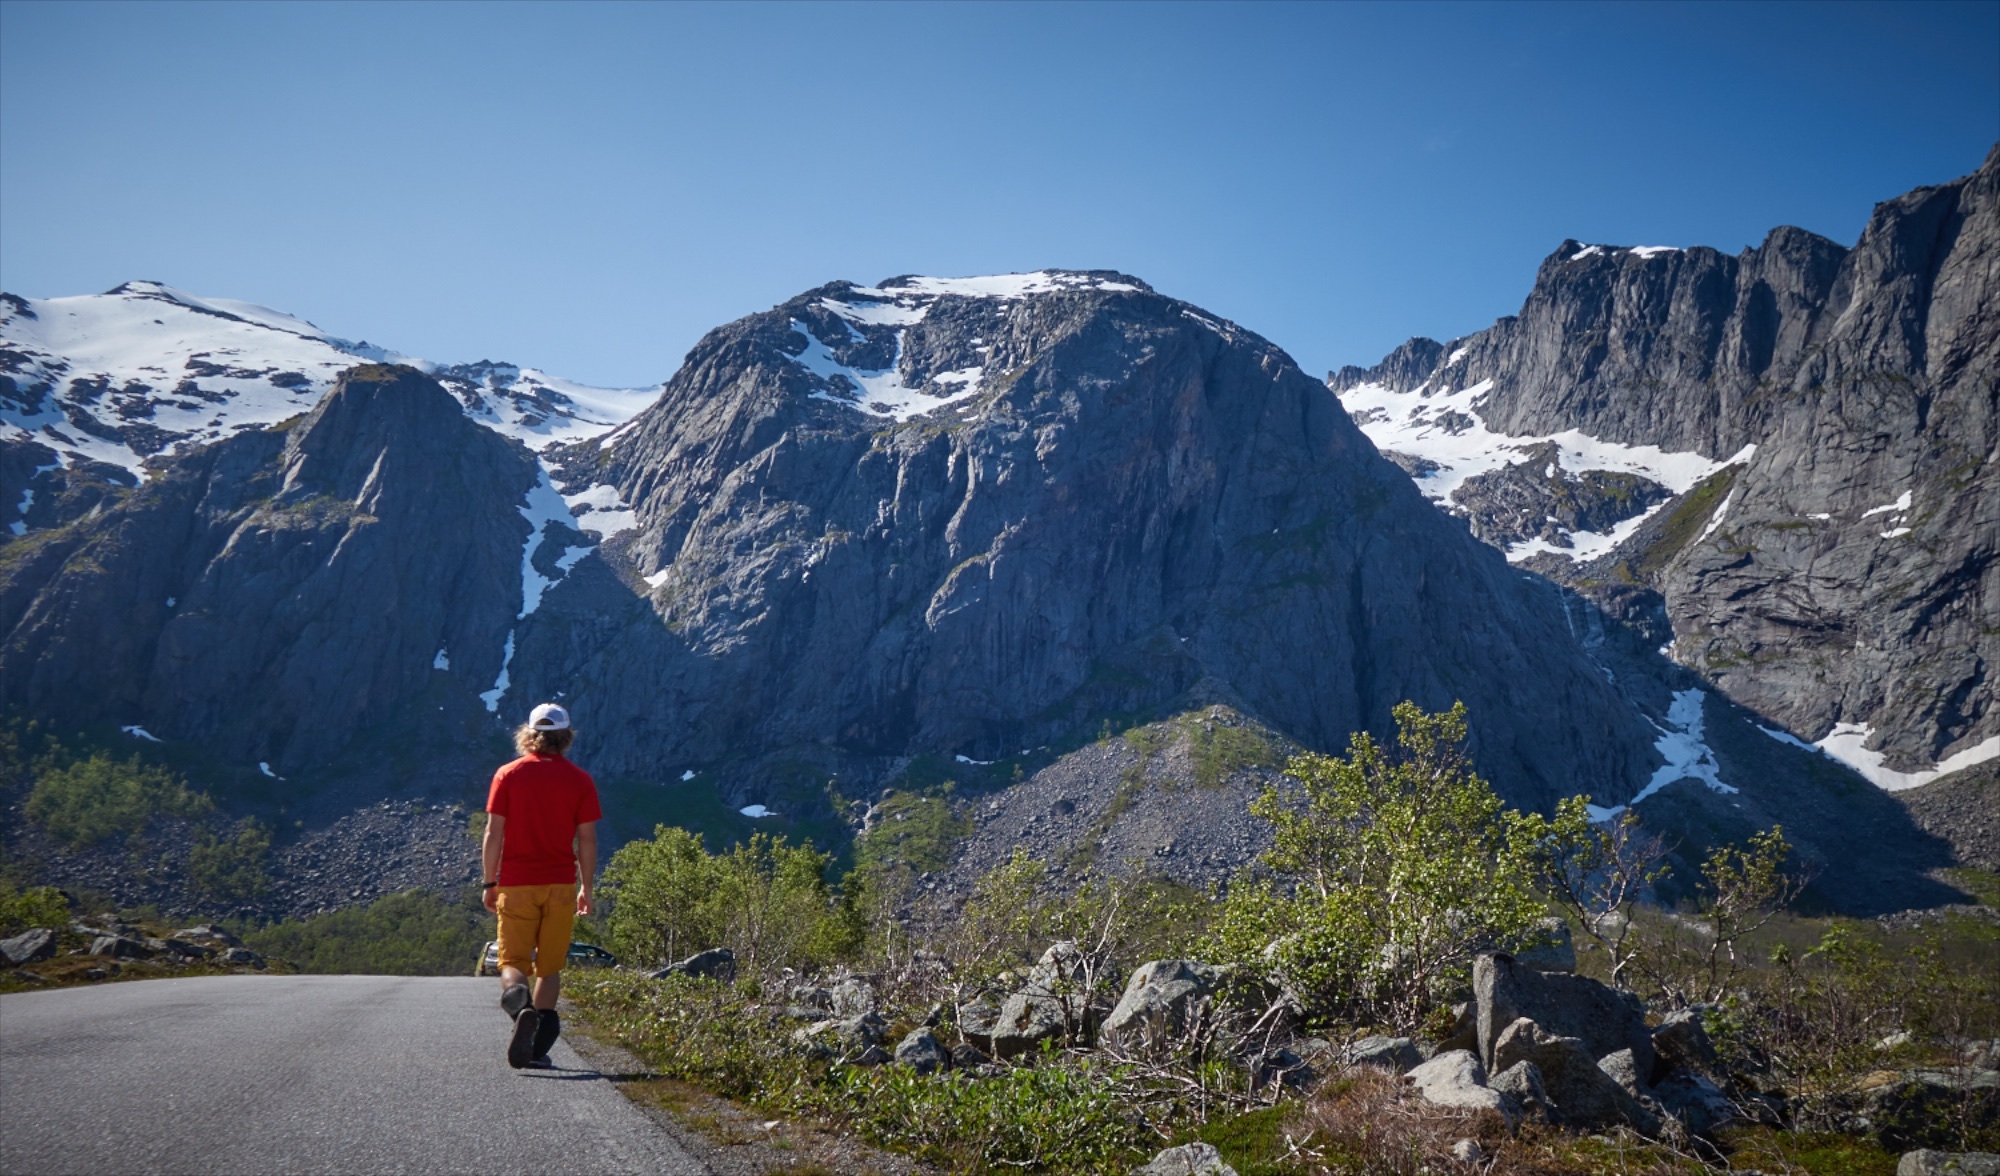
x=549, y=717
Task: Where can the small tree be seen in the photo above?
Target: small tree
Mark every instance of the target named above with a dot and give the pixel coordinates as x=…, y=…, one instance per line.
x=1741, y=889
x=1594, y=871
x=1403, y=870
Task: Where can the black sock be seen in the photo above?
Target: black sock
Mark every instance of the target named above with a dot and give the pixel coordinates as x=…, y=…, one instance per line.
x=546, y=1032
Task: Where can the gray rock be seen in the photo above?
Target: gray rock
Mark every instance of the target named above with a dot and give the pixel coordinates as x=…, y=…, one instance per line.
x=965, y=1056
x=853, y=996
x=1681, y=1042
x=29, y=947
x=1524, y=1081
x=1698, y=1103
x=242, y=955
x=1456, y=1079
x=1603, y=1019
x=1557, y=954
x=1155, y=1003
x=208, y=933
x=181, y=948
x=120, y=947
x=1583, y=1094
x=1055, y=1005
x=1465, y=1029
x=813, y=996
x=844, y=1038
x=1924, y=1162
x=921, y=1051
x=717, y=963
x=1620, y=1068
x=1189, y=1159
x=873, y=1055
x=1393, y=1053
x=1468, y=1151
x=975, y=1021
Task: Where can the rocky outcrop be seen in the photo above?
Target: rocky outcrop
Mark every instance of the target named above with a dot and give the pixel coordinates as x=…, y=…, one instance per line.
x=1835, y=581
x=286, y=590
x=1111, y=498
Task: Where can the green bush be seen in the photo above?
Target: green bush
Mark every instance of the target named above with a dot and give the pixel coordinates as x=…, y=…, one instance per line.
x=1403, y=869
x=766, y=900
x=230, y=868
x=89, y=800
x=416, y=933
x=37, y=906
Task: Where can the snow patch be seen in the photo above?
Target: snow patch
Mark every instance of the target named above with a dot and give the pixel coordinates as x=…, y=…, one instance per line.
x=1847, y=742
x=1455, y=356
x=142, y=733
x=879, y=393
x=1895, y=532
x=1685, y=749
x=492, y=697
x=442, y=661
x=601, y=511
x=1446, y=427
x=1786, y=737
x=687, y=775
x=996, y=285
x=966, y=759
x=266, y=769
x=1721, y=513
x=1900, y=506
x=756, y=811
x=1649, y=251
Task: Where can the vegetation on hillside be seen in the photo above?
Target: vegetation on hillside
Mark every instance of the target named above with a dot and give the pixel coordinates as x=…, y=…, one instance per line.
x=417, y=933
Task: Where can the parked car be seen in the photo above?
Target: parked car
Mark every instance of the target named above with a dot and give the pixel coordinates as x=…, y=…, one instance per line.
x=581, y=955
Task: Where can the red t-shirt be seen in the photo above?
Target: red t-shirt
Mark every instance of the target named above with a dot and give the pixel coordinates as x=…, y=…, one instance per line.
x=544, y=798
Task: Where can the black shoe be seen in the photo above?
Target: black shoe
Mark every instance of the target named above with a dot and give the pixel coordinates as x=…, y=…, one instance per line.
x=521, y=1049
x=547, y=1032
x=540, y=1063
x=513, y=999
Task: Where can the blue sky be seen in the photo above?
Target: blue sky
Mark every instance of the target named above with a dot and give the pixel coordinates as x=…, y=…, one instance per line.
x=588, y=188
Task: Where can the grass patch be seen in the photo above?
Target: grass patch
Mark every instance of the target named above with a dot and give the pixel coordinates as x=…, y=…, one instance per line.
x=915, y=831
x=416, y=933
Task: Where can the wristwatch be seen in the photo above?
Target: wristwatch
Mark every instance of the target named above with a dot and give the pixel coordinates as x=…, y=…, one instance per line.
x=489, y=886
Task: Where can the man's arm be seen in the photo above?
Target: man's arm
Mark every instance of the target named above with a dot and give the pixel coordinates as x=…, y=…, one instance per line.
x=489, y=856
x=586, y=863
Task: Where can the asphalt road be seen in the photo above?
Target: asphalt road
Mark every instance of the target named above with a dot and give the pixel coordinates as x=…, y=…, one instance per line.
x=337, y=1074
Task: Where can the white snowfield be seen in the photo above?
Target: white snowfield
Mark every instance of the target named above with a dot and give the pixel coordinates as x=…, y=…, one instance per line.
x=1446, y=427
x=1848, y=743
x=903, y=303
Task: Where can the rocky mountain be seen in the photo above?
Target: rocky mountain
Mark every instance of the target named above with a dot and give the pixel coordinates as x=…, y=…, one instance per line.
x=1778, y=466
x=982, y=523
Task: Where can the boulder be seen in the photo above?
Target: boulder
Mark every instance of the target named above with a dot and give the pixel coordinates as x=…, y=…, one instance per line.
x=1620, y=1068
x=923, y=1052
x=874, y=1055
x=1556, y=952
x=1391, y=1053
x=1468, y=1151
x=210, y=933
x=1189, y=1159
x=1583, y=1094
x=181, y=947
x=717, y=963
x=29, y=947
x=1696, y=1102
x=1282, y=1066
x=1925, y=1162
x=242, y=955
x=1465, y=1029
x=975, y=1021
x=1602, y=1018
x=812, y=996
x=844, y=1038
x=1916, y=1110
x=120, y=947
x=965, y=1056
x=1681, y=1043
x=1456, y=1079
x=1524, y=1081
x=1157, y=997
x=853, y=996
x=1055, y=1004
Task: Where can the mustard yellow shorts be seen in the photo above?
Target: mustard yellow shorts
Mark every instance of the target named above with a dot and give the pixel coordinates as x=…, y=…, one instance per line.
x=535, y=923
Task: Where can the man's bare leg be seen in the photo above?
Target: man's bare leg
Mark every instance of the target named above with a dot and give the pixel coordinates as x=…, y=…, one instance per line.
x=547, y=989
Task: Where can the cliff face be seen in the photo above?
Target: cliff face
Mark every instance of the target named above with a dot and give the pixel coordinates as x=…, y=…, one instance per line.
x=930, y=517
x=286, y=590
x=1839, y=577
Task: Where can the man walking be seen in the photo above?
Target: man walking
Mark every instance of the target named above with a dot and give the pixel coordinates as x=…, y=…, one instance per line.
x=541, y=825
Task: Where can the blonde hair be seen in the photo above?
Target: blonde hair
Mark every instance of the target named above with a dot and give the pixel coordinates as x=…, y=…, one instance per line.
x=529, y=741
